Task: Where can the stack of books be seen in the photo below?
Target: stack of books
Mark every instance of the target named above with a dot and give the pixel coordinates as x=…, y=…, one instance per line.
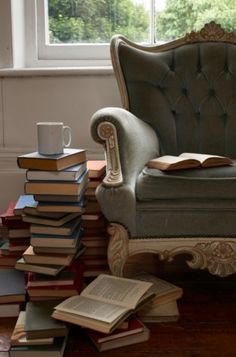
x=37, y=334
x=94, y=224
x=12, y=292
x=53, y=184
x=164, y=307
x=15, y=236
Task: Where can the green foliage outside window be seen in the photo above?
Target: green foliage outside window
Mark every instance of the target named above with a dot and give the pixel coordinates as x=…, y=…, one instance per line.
x=90, y=21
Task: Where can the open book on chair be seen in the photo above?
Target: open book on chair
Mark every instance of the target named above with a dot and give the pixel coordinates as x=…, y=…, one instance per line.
x=105, y=303
x=188, y=160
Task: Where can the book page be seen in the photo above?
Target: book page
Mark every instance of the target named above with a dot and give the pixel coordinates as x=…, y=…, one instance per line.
x=84, y=306
x=199, y=157
x=120, y=291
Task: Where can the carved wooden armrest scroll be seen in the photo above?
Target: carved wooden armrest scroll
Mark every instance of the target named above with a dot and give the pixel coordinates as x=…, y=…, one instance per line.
x=107, y=132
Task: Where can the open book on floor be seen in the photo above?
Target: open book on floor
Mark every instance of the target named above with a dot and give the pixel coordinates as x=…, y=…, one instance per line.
x=105, y=303
x=188, y=160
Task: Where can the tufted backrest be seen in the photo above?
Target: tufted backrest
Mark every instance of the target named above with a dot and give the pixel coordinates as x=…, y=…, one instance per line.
x=186, y=92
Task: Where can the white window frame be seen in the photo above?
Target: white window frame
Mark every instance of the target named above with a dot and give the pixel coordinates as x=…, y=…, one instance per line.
x=39, y=53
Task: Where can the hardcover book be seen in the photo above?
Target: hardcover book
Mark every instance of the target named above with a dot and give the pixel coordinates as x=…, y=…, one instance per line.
x=70, y=174
x=40, y=324
x=187, y=160
x=69, y=207
x=105, y=303
x=52, y=240
x=19, y=337
x=12, y=286
x=164, y=291
x=35, y=268
x=53, y=350
x=66, y=229
x=36, y=161
x=96, y=168
x=31, y=257
x=135, y=333
x=57, y=187
x=55, y=222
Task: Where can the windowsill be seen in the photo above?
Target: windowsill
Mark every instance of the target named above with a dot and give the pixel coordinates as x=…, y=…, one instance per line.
x=55, y=71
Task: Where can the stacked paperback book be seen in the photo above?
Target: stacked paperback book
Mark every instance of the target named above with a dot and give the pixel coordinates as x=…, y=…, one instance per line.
x=52, y=205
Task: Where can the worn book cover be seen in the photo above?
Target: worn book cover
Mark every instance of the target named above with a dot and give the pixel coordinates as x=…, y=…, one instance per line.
x=96, y=168
x=66, y=229
x=38, y=268
x=136, y=332
x=12, y=286
x=70, y=174
x=57, y=187
x=39, y=323
x=57, y=162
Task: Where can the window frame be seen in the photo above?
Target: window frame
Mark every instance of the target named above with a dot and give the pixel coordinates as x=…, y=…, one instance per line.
x=39, y=53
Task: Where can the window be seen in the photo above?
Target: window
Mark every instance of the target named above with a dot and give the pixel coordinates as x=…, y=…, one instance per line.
x=78, y=32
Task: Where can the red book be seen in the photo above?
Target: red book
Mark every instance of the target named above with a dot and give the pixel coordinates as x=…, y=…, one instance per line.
x=96, y=168
x=135, y=332
x=10, y=220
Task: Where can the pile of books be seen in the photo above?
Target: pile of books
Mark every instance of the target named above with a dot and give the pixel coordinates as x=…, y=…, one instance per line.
x=94, y=224
x=163, y=307
x=53, y=204
x=15, y=236
x=36, y=333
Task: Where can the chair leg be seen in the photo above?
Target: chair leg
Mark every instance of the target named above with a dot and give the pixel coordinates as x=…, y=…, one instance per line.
x=118, y=248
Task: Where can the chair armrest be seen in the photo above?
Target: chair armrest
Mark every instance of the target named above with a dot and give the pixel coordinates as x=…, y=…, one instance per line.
x=128, y=141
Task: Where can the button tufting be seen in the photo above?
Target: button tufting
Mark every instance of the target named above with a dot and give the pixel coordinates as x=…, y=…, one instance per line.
x=212, y=92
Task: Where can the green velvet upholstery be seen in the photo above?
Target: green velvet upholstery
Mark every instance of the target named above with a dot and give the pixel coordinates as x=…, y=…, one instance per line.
x=180, y=98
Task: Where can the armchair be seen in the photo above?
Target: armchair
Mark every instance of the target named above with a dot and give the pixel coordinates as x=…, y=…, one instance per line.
x=177, y=97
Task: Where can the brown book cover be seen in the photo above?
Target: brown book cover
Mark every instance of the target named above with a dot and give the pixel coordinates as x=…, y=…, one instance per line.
x=96, y=168
x=58, y=162
x=57, y=187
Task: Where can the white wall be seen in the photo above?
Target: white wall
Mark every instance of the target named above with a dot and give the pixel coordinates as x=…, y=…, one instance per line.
x=26, y=99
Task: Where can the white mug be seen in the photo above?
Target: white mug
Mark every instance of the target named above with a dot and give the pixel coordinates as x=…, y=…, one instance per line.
x=51, y=137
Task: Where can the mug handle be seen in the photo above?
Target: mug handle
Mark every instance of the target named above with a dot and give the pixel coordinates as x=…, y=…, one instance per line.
x=68, y=130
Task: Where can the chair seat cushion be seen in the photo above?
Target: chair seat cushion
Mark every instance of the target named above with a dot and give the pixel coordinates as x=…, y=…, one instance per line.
x=205, y=183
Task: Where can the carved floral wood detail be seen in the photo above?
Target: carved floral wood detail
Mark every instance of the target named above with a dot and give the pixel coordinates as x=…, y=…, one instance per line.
x=211, y=32
x=107, y=132
x=216, y=256
x=219, y=258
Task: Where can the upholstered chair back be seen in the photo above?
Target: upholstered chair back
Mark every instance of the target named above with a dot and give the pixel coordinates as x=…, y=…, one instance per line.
x=185, y=91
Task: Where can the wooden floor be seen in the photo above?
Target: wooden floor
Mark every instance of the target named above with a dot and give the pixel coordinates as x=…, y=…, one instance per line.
x=206, y=328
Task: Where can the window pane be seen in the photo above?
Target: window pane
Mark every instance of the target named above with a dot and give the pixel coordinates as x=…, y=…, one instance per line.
x=90, y=21
x=175, y=18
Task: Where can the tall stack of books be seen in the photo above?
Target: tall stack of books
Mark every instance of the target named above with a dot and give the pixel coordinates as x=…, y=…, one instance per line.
x=15, y=236
x=94, y=224
x=57, y=184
